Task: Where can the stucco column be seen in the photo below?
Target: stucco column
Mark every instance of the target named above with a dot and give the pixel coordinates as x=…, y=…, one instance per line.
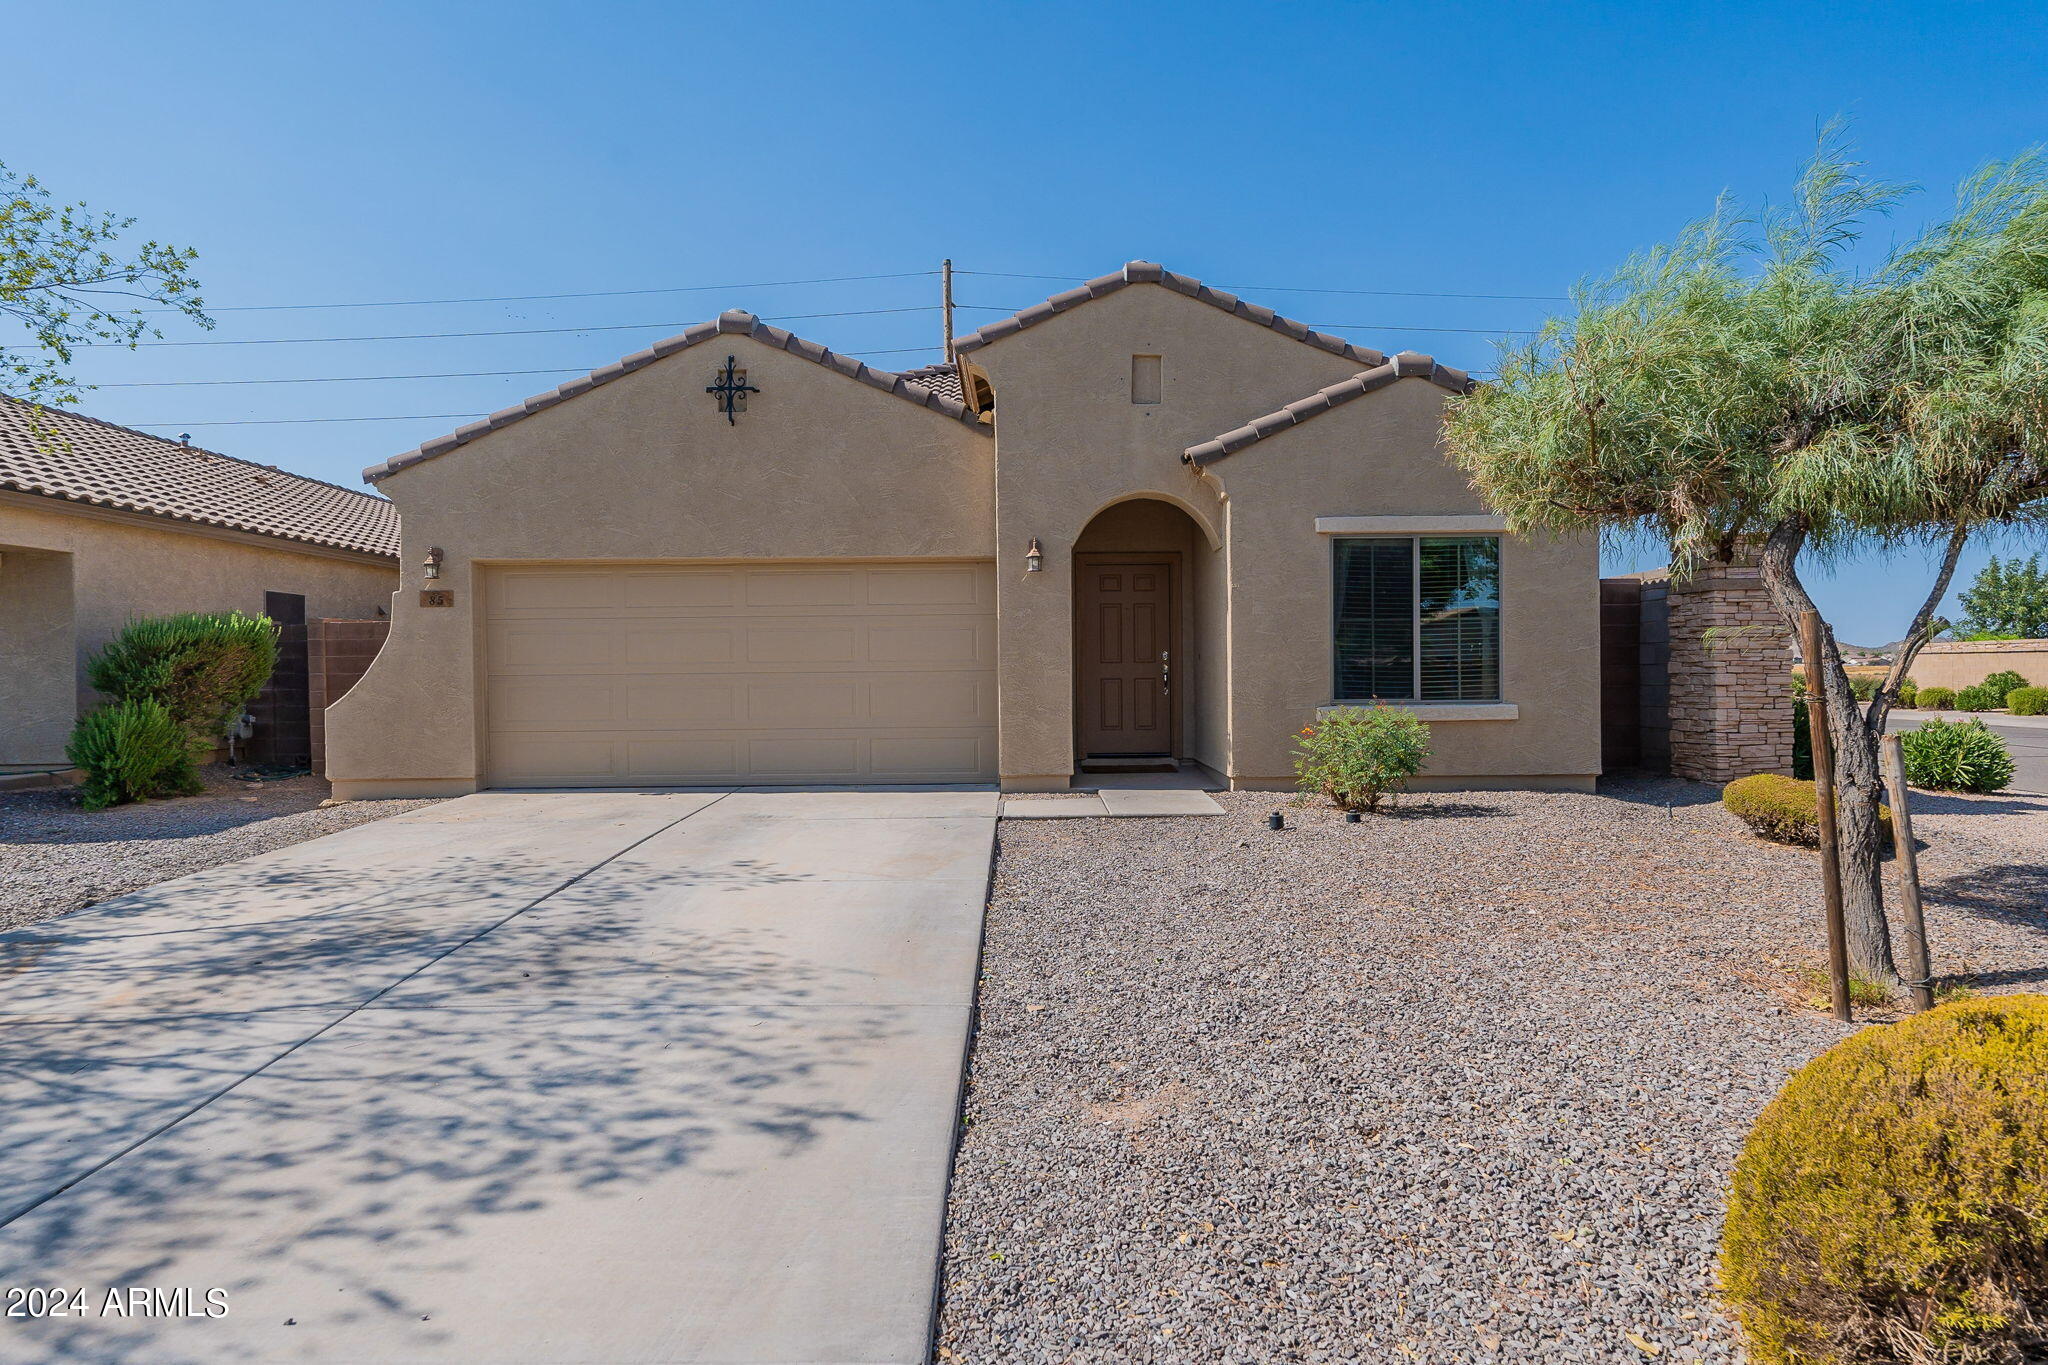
x=1730, y=675
x=1035, y=660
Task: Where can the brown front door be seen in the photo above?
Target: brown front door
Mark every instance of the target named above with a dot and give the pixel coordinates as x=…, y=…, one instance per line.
x=1127, y=655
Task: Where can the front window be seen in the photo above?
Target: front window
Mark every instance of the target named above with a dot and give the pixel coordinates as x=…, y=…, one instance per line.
x=1417, y=618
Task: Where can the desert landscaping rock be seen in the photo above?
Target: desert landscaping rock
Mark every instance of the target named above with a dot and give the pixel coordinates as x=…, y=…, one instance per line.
x=56, y=858
x=1463, y=1084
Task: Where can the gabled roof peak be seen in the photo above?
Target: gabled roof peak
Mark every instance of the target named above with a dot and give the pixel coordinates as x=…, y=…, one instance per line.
x=732, y=322
x=1151, y=272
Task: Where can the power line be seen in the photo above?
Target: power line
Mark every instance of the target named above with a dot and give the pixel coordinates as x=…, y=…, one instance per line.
x=515, y=332
x=1299, y=289
x=301, y=421
x=375, y=378
x=544, y=298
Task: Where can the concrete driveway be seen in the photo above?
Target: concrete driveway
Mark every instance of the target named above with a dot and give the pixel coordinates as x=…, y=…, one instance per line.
x=568, y=1076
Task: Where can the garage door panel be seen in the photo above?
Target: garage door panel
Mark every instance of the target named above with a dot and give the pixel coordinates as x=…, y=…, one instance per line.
x=523, y=590
x=815, y=642
x=807, y=588
x=934, y=699
x=667, y=702
x=710, y=674
x=662, y=589
x=550, y=646
x=554, y=703
x=656, y=645
x=708, y=759
x=951, y=586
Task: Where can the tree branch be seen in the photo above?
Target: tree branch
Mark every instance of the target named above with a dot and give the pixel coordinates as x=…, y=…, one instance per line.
x=1917, y=634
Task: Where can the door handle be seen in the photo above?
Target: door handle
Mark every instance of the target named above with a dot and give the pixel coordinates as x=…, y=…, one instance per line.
x=1165, y=673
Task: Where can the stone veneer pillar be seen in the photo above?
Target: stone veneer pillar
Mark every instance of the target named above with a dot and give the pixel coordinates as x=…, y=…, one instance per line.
x=1730, y=675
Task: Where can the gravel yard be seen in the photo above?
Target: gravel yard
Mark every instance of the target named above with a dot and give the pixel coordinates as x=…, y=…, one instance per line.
x=56, y=858
x=1461, y=1084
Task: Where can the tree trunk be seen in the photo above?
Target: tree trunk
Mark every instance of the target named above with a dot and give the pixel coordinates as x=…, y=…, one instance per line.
x=1858, y=787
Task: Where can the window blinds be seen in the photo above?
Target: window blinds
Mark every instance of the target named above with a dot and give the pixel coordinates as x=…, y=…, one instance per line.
x=1417, y=619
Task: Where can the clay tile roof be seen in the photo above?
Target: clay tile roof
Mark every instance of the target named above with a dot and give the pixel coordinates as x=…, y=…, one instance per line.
x=731, y=323
x=82, y=459
x=1407, y=365
x=1149, y=272
x=943, y=380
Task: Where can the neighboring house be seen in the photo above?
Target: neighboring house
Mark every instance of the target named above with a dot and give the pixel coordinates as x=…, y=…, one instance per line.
x=100, y=524
x=1140, y=524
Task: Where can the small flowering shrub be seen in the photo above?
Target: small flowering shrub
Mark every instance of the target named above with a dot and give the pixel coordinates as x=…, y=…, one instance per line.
x=1358, y=757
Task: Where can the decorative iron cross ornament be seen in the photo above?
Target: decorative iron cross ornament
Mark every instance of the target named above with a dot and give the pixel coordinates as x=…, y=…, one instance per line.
x=732, y=389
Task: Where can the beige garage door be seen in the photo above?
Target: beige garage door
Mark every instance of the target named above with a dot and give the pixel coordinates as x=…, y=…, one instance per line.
x=755, y=673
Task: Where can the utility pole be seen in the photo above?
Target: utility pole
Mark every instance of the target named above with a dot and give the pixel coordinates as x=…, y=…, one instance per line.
x=1810, y=633
x=946, y=303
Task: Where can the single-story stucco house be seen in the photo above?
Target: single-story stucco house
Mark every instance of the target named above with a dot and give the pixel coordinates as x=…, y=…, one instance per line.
x=100, y=524
x=1143, y=523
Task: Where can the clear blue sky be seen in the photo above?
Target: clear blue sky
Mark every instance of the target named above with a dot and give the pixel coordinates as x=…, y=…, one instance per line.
x=372, y=152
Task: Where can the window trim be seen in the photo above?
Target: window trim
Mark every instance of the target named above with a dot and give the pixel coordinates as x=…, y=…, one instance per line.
x=1424, y=527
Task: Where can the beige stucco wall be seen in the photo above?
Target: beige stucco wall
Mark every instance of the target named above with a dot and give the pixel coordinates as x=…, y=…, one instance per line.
x=1069, y=441
x=644, y=468
x=1957, y=664
x=124, y=565
x=1379, y=455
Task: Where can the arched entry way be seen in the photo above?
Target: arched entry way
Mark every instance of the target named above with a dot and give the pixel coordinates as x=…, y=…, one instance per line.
x=1144, y=575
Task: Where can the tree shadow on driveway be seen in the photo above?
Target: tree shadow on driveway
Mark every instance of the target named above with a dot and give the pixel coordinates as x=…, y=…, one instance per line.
x=360, y=1124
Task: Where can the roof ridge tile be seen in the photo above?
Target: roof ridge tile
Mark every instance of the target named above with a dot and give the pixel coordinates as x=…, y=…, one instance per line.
x=1406, y=365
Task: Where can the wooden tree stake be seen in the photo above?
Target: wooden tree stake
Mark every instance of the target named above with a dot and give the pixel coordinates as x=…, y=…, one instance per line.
x=1919, y=968
x=1824, y=795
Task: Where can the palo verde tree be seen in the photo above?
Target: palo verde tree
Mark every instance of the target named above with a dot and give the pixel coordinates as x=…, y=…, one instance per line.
x=68, y=280
x=1748, y=385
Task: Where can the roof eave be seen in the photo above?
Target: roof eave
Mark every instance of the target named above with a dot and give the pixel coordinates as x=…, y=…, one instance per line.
x=1406, y=365
x=731, y=323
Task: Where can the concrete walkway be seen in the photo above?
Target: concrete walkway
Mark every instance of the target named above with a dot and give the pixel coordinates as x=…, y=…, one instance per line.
x=520, y=1077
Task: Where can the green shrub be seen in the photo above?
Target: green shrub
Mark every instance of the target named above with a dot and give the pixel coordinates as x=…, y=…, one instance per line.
x=1359, y=757
x=191, y=673
x=1863, y=687
x=1908, y=694
x=1785, y=810
x=1956, y=755
x=205, y=667
x=2027, y=701
x=2002, y=682
x=1890, y=1204
x=1936, y=699
x=131, y=751
x=1979, y=698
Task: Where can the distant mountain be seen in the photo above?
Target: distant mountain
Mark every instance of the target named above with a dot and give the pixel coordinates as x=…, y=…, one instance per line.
x=1848, y=648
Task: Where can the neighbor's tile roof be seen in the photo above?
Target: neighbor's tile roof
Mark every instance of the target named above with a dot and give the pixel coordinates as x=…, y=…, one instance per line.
x=731, y=323
x=943, y=380
x=1407, y=365
x=97, y=462
x=1149, y=272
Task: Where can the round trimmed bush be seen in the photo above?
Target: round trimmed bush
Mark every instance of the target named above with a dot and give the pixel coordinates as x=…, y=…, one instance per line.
x=1909, y=695
x=1785, y=810
x=1955, y=755
x=1936, y=699
x=1891, y=1204
x=1979, y=698
x=2027, y=701
x=2002, y=682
